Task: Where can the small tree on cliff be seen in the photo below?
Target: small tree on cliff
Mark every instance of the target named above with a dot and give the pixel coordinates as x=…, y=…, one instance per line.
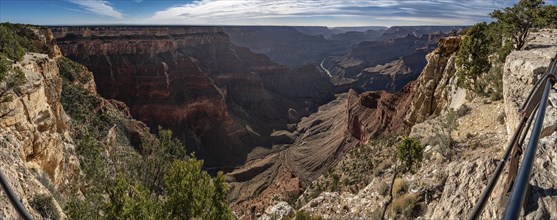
x=409, y=154
x=473, y=56
x=519, y=18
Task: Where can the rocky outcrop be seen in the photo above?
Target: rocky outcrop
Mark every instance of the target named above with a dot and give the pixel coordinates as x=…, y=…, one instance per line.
x=521, y=71
x=36, y=150
x=219, y=99
x=385, y=51
x=41, y=128
x=436, y=83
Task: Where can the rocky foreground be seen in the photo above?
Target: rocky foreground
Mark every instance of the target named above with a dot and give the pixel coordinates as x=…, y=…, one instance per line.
x=451, y=177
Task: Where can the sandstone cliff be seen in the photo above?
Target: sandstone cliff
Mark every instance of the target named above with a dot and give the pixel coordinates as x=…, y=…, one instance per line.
x=436, y=83
x=37, y=150
x=44, y=126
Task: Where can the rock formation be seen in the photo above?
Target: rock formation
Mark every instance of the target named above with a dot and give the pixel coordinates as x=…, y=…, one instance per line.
x=328, y=134
x=453, y=176
x=39, y=138
x=35, y=134
x=436, y=83
x=418, y=31
x=36, y=147
x=219, y=99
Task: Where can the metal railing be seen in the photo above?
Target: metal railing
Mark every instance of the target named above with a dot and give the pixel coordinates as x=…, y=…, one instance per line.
x=536, y=101
x=13, y=198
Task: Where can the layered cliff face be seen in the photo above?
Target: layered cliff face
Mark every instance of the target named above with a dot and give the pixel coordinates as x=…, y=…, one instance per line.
x=219, y=99
x=37, y=153
x=47, y=125
x=36, y=141
x=437, y=82
x=418, y=31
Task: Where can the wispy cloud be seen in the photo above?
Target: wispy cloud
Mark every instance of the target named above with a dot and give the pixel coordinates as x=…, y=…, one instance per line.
x=404, y=11
x=100, y=7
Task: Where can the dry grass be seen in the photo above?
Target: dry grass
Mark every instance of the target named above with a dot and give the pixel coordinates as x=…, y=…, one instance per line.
x=404, y=205
x=400, y=187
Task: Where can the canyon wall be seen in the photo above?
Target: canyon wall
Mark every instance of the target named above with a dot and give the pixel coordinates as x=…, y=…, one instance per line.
x=219, y=99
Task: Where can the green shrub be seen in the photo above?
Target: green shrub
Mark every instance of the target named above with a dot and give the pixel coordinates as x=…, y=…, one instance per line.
x=131, y=201
x=45, y=206
x=191, y=193
x=495, y=79
x=462, y=110
x=409, y=153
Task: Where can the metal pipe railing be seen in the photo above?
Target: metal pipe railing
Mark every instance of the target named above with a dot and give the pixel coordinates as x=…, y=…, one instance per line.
x=13, y=198
x=522, y=180
x=480, y=204
x=528, y=110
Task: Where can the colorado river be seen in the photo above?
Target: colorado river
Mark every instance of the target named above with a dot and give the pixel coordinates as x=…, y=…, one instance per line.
x=326, y=70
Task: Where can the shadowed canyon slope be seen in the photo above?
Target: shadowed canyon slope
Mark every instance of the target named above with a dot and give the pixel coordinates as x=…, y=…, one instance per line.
x=221, y=100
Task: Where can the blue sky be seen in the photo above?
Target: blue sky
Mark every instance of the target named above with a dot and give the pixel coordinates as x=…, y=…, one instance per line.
x=251, y=12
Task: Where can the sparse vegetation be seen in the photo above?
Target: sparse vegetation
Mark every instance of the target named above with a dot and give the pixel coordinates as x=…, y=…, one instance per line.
x=383, y=188
x=45, y=206
x=302, y=215
x=462, y=110
x=409, y=155
x=405, y=205
x=501, y=118
x=14, y=44
x=10, y=79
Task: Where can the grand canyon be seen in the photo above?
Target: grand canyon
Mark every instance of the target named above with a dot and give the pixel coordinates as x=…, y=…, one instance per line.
x=160, y=121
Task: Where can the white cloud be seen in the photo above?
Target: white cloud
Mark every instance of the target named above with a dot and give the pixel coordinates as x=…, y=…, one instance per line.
x=287, y=11
x=100, y=7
